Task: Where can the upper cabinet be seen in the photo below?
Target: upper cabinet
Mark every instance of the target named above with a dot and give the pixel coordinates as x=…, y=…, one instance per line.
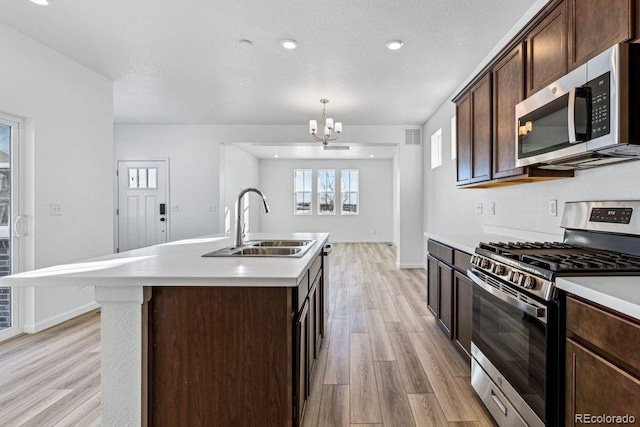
x=473, y=133
x=596, y=25
x=547, y=50
x=562, y=36
x=508, y=90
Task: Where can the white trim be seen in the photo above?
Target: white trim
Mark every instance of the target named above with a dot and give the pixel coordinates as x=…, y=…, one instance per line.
x=409, y=265
x=343, y=192
x=59, y=318
x=295, y=192
x=334, y=192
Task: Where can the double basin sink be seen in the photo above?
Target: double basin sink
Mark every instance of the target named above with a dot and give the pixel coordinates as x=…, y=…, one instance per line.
x=266, y=248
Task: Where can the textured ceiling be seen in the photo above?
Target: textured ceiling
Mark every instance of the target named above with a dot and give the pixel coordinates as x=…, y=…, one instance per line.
x=179, y=61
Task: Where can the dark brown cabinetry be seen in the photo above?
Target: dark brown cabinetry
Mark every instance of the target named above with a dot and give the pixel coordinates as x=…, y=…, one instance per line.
x=547, y=50
x=474, y=134
x=232, y=355
x=596, y=25
x=602, y=367
x=463, y=291
x=508, y=90
x=449, y=292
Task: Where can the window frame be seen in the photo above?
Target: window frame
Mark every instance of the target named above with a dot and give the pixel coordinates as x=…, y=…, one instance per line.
x=436, y=149
x=319, y=192
x=343, y=192
x=296, y=192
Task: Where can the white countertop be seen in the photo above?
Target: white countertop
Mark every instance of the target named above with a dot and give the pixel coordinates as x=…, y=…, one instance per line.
x=619, y=293
x=179, y=263
x=467, y=242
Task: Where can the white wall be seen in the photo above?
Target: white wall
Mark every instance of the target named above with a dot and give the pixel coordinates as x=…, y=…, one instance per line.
x=240, y=170
x=523, y=207
x=194, y=168
x=68, y=115
x=376, y=200
x=410, y=253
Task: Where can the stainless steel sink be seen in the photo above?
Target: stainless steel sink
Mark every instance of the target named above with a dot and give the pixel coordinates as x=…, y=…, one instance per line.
x=266, y=248
x=287, y=243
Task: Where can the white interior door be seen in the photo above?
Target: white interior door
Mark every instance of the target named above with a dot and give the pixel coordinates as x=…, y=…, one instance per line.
x=142, y=204
x=10, y=233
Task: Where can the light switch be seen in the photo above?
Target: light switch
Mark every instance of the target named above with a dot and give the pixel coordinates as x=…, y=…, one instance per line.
x=55, y=209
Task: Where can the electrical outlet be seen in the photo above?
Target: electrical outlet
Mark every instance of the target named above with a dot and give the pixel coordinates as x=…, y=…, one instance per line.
x=553, y=207
x=175, y=207
x=479, y=209
x=213, y=208
x=492, y=208
x=55, y=209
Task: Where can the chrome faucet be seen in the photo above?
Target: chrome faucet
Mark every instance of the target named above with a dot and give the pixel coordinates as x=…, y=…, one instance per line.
x=239, y=225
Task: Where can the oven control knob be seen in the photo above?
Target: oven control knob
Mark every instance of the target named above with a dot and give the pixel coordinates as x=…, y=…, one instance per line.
x=486, y=263
x=512, y=276
x=530, y=282
x=521, y=280
x=498, y=269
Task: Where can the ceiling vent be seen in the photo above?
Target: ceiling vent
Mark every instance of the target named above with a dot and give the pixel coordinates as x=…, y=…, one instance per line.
x=412, y=136
x=336, y=147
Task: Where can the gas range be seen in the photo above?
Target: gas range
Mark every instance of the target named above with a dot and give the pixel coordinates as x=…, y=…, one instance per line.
x=531, y=267
x=517, y=334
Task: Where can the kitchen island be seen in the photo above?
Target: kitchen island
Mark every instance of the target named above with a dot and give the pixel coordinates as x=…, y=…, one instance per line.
x=189, y=340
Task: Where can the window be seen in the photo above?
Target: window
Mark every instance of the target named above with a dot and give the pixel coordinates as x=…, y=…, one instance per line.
x=453, y=138
x=326, y=191
x=436, y=149
x=143, y=178
x=349, y=191
x=302, y=191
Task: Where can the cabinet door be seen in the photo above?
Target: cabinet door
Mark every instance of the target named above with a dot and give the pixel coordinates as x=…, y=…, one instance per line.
x=432, y=285
x=301, y=367
x=445, y=297
x=463, y=295
x=463, y=140
x=596, y=25
x=547, y=50
x=596, y=386
x=318, y=314
x=508, y=90
x=481, y=130
x=311, y=338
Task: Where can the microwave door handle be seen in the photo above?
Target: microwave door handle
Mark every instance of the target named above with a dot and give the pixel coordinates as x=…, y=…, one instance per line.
x=572, y=116
x=531, y=310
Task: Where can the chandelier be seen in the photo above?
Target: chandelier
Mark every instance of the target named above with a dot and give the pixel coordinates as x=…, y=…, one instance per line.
x=328, y=126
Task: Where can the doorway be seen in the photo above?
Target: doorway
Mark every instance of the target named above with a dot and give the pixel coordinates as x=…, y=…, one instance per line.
x=10, y=209
x=142, y=211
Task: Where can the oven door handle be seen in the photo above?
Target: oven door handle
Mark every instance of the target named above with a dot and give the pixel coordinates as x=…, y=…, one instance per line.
x=529, y=309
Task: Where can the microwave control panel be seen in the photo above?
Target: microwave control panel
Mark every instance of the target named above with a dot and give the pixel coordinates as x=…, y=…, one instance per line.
x=600, y=89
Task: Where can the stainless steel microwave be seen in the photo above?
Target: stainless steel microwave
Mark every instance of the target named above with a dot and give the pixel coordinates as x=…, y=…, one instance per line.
x=588, y=118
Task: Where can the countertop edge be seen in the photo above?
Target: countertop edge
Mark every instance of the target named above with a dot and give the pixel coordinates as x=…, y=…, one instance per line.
x=597, y=296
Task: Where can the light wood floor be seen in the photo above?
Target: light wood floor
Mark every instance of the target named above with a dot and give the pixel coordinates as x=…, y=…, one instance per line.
x=384, y=361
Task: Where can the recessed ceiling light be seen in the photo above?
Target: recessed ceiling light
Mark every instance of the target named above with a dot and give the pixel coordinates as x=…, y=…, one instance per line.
x=276, y=156
x=371, y=155
x=42, y=2
x=289, y=44
x=394, y=44
x=243, y=43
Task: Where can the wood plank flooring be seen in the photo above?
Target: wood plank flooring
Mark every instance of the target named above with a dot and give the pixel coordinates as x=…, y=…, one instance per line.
x=53, y=378
x=384, y=361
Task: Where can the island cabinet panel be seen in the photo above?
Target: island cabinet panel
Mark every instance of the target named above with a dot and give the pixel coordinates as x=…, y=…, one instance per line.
x=445, y=298
x=432, y=285
x=596, y=25
x=221, y=356
x=547, y=50
x=508, y=90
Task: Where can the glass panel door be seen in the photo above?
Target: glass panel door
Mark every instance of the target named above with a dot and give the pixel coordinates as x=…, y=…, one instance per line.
x=8, y=237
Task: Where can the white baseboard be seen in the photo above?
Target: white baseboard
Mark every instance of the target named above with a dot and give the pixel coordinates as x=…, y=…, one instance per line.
x=409, y=265
x=56, y=320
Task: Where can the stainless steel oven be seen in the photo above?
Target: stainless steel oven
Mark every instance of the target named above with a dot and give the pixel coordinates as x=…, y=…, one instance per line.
x=586, y=118
x=512, y=348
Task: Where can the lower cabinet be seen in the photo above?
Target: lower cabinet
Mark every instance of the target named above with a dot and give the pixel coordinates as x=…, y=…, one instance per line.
x=449, y=292
x=301, y=363
x=463, y=292
x=602, y=365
